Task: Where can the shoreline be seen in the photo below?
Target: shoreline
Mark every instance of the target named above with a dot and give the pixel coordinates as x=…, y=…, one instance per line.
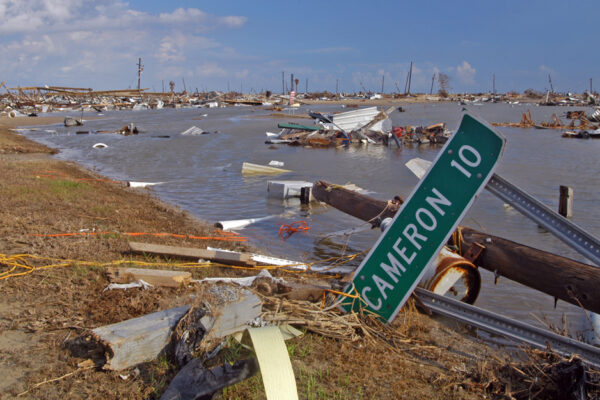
x=46, y=311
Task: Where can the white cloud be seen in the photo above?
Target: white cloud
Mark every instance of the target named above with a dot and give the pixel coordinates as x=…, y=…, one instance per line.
x=242, y=74
x=466, y=73
x=210, y=70
x=70, y=37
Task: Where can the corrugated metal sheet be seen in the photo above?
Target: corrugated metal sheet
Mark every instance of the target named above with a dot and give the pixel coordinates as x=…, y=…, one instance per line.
x=351, y=120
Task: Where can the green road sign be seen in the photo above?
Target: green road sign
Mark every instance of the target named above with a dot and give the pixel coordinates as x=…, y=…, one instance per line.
x=394, y=266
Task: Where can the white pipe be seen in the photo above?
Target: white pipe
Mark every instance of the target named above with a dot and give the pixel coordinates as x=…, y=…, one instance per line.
x=238, y=223
x=142, y=184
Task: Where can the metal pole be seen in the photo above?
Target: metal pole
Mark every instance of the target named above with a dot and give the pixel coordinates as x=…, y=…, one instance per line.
x=140, y=69
x=282, y=82
x=410, y=77
x=494, y=83
x=382, y=81
x=291, y=82
x=432, y=80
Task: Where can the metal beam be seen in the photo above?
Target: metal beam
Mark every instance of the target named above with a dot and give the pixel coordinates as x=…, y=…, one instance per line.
x=500, y=325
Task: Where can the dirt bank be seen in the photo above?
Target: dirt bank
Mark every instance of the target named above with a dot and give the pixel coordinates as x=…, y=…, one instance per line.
x=43, y=312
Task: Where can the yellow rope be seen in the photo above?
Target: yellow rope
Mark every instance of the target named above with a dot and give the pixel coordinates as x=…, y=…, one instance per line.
x=19, y=264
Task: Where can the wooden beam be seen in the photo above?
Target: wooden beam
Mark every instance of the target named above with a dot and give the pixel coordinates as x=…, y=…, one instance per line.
x=560, y=277
x=155, y=277
x=223, y=257
x=142, y=339
x=139, y=339
x=353, y=203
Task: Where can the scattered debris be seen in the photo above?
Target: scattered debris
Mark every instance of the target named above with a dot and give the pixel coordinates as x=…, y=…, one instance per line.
x=152, y=277
x=140, y=283
x=194, y=130
x=194, y=381
x=223, y=257
x=256, y=169
x=554, y=123
x=70, y=121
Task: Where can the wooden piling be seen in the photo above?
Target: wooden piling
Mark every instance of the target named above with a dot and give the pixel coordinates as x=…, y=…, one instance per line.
x=565, y=203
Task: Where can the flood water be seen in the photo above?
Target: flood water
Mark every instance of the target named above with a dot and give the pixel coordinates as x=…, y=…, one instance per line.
x=202, y=175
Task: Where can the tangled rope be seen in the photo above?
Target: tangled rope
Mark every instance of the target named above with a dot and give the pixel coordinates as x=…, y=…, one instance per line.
x=285, y=231
x=22, y=264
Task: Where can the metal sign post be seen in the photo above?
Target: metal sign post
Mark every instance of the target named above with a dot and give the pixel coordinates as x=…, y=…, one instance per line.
x=390, y=272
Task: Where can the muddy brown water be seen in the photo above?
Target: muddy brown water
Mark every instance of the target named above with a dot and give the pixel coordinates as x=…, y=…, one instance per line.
x=201, y=174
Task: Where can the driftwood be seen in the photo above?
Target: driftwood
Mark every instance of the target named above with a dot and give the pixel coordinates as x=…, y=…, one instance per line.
x=223, y=257
x=560, y=277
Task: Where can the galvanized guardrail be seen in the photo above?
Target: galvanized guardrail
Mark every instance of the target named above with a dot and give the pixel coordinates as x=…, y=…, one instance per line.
x=513, y=329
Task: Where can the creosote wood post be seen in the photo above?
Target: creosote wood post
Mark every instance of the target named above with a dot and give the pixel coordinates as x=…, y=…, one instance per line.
x=565, y=203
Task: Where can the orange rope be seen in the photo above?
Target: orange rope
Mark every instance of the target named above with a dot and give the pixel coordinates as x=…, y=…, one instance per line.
x=228, y=238
x=285, y=231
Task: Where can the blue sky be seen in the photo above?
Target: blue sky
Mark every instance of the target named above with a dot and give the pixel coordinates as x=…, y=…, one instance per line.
x=247, y=44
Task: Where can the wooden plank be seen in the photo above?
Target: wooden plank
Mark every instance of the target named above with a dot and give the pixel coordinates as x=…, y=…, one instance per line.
x=193, y=253
x=155, y=277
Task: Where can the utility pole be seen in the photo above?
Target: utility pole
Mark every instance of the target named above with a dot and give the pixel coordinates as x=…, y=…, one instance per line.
x=337, y=81
x=306, y=89
x=140, y=69
x=591, y=91
x=363, y=87
x=292, y=82
x=163, y=85
x=550, y=80
x=410, y=77
x=184, y=88
x=494, y=84
x=432, y=80
x=382, y=81
x=282, y=82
